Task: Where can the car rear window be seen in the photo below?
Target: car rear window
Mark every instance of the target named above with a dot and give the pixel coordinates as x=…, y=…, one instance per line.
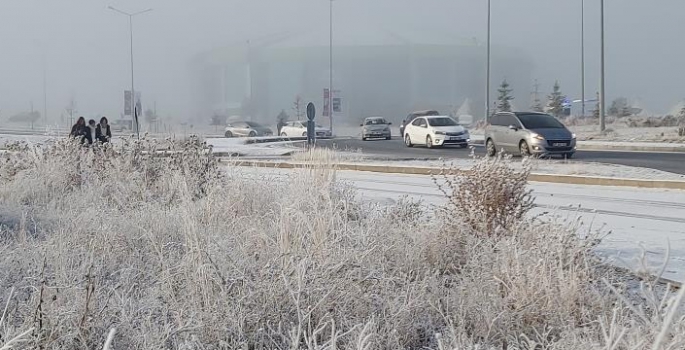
x=540, y=121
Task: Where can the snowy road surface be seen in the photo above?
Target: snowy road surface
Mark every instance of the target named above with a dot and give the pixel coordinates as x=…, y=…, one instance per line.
x=637, y=222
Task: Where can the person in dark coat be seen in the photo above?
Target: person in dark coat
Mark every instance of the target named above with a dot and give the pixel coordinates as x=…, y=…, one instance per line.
x=91, y=132
x=102, y=132
x=80, y=130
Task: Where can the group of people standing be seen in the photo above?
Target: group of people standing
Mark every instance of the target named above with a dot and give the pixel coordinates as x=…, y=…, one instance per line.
x=91, y=132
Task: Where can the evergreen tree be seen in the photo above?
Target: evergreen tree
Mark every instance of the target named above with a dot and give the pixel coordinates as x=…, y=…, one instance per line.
x=536, y=104
x=555, y=101
x=595, y=112
x=504, y=98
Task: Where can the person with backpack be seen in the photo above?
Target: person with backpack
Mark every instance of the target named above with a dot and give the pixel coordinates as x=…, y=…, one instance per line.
x=103, y=133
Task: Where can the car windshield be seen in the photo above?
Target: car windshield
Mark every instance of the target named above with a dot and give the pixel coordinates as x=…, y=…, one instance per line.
x=375, y=121
x=253, y=125
x=540, y=121
x=442, y=122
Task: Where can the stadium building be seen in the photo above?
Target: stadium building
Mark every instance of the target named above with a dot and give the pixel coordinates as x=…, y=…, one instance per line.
x=376, y=72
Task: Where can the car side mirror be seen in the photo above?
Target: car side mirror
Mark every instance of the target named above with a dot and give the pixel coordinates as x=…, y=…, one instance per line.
x=513, y=127
x=389, y=123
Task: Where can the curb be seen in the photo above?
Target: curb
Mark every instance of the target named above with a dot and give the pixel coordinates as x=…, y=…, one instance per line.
x=547, y=178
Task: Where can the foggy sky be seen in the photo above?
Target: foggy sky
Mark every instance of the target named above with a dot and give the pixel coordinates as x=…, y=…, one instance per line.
x=85, y=47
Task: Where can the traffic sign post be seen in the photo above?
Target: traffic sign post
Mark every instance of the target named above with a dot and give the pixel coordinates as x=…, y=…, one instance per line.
x=311, y=126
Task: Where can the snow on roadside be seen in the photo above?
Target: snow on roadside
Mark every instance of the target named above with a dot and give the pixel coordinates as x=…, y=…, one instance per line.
x=540, y=166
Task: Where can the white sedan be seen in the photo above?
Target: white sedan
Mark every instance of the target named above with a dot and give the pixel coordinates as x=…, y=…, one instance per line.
x=435, y=131
x=299, y=129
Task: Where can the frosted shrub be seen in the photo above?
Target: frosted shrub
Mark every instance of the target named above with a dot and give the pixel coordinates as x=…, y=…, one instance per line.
x=173, y=251
x=488, y=198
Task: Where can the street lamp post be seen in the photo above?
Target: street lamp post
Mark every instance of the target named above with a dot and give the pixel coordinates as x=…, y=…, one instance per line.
x=330, y=62
x=602, y=100
x=487, y=74
x=133, y=91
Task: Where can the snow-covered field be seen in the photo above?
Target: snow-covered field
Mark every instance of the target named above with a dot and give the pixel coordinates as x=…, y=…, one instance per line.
x=638, y=224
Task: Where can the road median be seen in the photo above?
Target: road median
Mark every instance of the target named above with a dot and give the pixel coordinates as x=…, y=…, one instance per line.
x=415, y=170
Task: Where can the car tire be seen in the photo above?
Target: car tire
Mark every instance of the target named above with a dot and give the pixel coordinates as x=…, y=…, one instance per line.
x=429, y=141
x=252, y=134
x=524, y=149
x=569, y=155
x=304, y=134
x=490, y=148
x=284, y=134
x=228, y=134
x=389, y=138
x=464, y=146
x=407, y=141
x=364, y=138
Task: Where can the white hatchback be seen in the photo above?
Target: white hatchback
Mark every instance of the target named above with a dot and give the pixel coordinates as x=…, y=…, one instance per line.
x=299, y=129
x=436, y=131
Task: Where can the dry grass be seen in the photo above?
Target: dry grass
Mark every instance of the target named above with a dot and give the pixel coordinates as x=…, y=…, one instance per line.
x=175, y=254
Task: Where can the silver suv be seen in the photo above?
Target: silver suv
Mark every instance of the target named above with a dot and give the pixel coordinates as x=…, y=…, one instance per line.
x=528, y=133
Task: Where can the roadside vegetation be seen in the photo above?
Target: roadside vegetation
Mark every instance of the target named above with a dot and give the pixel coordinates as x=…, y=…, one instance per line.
x=142, y=250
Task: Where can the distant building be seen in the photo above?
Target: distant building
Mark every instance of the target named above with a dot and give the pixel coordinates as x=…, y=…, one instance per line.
x=376, y=73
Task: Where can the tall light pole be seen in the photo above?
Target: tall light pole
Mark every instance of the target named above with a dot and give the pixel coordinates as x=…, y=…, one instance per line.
x=133, y=91
x=602, y=100
x=582, y=56
x=487, y=74
x=330, y=63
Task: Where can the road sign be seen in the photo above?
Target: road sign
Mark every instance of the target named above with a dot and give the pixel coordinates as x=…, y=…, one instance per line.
x=311, y=111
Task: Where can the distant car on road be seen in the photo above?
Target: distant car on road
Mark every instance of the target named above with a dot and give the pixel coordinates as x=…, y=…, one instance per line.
x=528, y=133
x=298, y=128
x=435, y=131
x=413, y=116
x=247, y=129
x=376, y=128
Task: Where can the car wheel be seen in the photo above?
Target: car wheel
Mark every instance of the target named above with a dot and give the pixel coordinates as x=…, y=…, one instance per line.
x=568, y=155
x=228, y=134
x=490, y=148
x=464, y=145
x=389, y=138
x=253, y=134
x=429, y=142
x=304, y=134
x=407, y=141
x=524, y=149
x=284, y=134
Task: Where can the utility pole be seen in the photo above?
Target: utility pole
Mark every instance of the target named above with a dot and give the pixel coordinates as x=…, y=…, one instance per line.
x=330, y=78
x=602, y=97
x=45, y=92
x=582, y=56
x=487, y=74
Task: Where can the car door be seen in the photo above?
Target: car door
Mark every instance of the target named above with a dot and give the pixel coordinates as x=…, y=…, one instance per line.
x=239, y=129
x=513, y=136
x=418, y=131
x=504, y=133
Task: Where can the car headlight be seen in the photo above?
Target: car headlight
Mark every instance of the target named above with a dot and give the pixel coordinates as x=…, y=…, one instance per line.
x=440, y=133
x=537, y=137
x=573, y=136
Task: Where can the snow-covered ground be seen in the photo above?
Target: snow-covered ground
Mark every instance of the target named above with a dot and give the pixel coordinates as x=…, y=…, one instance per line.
x=637, y=224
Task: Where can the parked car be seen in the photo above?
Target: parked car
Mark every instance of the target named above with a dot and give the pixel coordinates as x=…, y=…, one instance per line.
x=299, y=129
x=376, y=128
x=528, y=133
x=435, y=131
x=247, y=129
x=413, y=116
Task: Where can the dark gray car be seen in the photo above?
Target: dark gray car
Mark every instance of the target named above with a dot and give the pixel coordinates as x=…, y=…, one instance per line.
x=528, y=133
x=247, y=129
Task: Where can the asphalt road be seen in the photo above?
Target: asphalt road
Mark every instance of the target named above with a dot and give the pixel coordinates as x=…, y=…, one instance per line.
x=395, y=149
